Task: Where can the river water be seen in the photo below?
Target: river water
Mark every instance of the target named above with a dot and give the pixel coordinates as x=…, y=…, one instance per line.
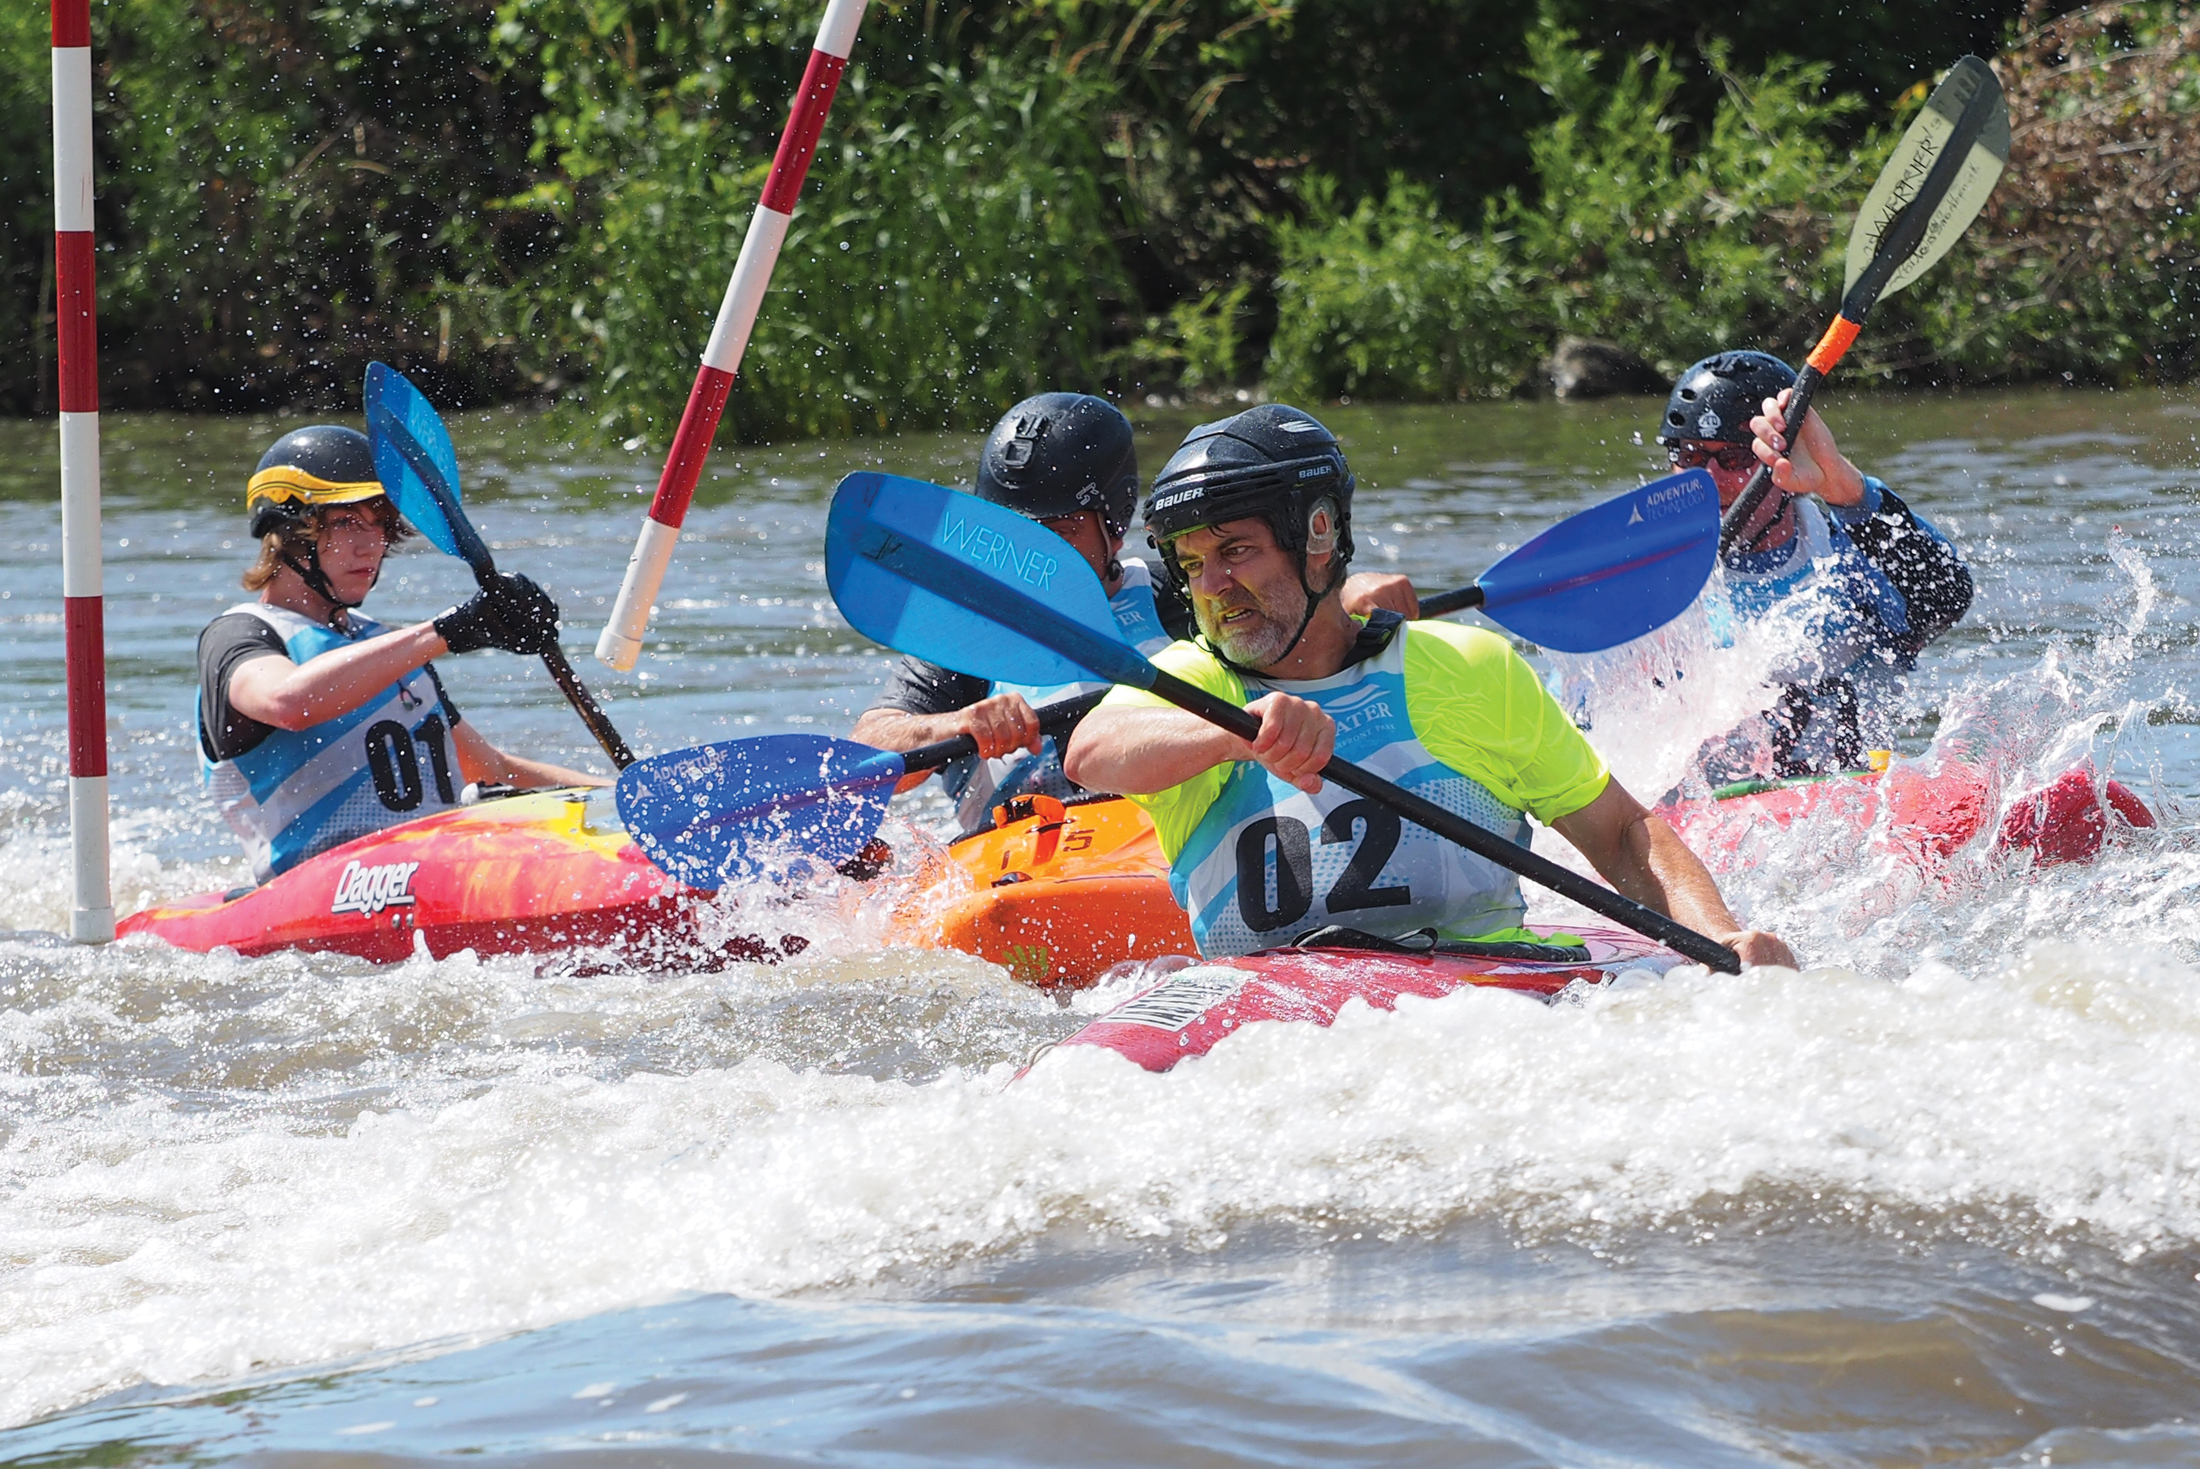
x=1935, y=1199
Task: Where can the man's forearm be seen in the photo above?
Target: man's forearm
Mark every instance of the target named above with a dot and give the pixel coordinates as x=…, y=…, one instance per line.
x=1135, y=752
x=1635, y=851
x=898, y=729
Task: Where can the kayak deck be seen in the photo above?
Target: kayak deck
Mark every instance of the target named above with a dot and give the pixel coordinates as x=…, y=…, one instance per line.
x=540, y=871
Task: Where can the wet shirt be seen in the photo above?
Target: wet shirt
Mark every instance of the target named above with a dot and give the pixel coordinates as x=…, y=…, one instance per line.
x=1451, y=713
x=1886, y=583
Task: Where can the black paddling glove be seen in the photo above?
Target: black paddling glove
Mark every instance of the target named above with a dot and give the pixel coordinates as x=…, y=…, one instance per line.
x=512, y=613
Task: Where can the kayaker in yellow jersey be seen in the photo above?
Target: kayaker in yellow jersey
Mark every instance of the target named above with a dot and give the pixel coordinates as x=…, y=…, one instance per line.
x=316, y=723
x=1066, y=460
x=1253, y=519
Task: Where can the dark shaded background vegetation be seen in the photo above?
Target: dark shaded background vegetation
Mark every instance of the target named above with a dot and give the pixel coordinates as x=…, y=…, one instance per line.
x=1395, y=198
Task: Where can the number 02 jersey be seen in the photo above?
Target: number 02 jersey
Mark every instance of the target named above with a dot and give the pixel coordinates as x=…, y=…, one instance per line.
x=291, y=794
x=1451, y=714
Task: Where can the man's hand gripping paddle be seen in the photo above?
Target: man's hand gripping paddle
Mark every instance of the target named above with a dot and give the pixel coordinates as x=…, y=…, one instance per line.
x=739, y=808
x=947, y=577
x=1926, y=196
x=1604, y=576
x=419, y=470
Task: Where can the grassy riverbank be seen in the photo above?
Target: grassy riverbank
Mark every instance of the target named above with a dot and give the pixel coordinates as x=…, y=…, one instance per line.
x=1374, y=198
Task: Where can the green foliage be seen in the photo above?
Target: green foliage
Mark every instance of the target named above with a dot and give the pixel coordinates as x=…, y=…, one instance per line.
x=1201, y=343
x=1392, y=198
x=1388, y=300
x=26, y=210
x=2087, y=263
x=954, y=251
x=286, y=193
x=1669, y=250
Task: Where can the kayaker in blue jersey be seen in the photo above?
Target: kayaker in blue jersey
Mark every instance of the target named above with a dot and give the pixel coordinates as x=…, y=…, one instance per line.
x=1066, y=460
x=316, y=723
x=1252, y=517
x=1882, y=581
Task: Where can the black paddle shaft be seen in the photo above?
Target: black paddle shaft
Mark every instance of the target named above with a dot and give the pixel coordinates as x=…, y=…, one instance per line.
x=1444, y=603
x=1488, y=844
x=569, y=684
x=1056, y=719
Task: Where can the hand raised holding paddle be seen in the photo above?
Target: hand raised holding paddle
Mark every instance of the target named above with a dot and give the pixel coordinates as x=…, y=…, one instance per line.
x=419, y=470
x=1931, y=189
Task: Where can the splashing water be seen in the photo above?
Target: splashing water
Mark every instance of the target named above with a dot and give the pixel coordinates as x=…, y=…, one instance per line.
x=799, y=1209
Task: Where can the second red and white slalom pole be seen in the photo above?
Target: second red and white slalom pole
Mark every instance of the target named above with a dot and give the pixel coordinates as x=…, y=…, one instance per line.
x=621, y=642
x=92, y=906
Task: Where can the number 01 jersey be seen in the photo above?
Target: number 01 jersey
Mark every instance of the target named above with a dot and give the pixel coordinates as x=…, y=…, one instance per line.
x=291, y=794
x=1451, y=714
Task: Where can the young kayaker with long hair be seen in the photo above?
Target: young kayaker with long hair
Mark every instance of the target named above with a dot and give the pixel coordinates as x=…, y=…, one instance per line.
x=317, y=724
x=1252, y=517
x=1066, y=460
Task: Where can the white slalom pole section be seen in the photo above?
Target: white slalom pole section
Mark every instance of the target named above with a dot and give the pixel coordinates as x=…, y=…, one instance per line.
x=621, y=642
x=92, y=906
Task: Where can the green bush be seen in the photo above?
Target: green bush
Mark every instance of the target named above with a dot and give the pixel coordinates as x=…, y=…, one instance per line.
x=1670, y=248
x=953, y=251
x=1388, y=300
x=2086, y=264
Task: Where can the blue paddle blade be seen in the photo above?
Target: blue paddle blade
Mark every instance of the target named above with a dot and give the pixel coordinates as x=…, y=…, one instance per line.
x=1613, y=572
x=948, y=578
x=759, y=807
x=417, y=465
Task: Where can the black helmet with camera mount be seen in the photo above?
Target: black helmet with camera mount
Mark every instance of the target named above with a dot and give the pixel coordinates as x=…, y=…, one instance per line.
x=1059, y=454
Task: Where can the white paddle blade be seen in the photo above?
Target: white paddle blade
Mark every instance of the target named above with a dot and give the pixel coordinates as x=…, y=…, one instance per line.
x=1971, y=82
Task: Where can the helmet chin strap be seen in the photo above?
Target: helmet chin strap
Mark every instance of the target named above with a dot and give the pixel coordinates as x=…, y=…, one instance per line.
x=317, y=580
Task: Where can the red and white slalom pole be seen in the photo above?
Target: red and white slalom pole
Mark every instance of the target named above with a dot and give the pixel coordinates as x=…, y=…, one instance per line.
x=92, y=907
x=621, y=643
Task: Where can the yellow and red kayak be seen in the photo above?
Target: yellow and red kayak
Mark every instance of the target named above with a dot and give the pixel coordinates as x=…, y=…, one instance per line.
x=1056, y=895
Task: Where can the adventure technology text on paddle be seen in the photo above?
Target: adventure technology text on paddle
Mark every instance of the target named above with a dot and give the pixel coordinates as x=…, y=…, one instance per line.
x=946, y=577
x=738, y=808
x=1926, y=196
x=1606, y=575
x=419, y=470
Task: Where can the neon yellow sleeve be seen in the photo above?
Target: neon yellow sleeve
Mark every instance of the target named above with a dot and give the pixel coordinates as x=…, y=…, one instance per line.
x=1177, y=810
x=1479, y=708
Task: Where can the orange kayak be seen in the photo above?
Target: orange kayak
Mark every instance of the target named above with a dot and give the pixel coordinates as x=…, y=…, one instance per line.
x=1057, y=894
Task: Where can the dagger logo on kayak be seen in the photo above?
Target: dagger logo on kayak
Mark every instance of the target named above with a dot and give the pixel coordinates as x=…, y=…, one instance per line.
x=369, y=890
x=982, y=545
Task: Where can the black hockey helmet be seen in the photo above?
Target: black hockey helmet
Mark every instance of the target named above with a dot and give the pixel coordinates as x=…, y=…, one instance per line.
x=1275, y=462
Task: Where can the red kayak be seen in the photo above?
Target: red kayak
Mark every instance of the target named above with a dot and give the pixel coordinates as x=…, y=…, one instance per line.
x=1200, y=1004
x=547, y=870
x=1927, y=813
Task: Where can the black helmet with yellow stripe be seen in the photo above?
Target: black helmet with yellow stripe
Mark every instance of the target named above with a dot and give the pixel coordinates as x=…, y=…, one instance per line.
x=321, y=464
